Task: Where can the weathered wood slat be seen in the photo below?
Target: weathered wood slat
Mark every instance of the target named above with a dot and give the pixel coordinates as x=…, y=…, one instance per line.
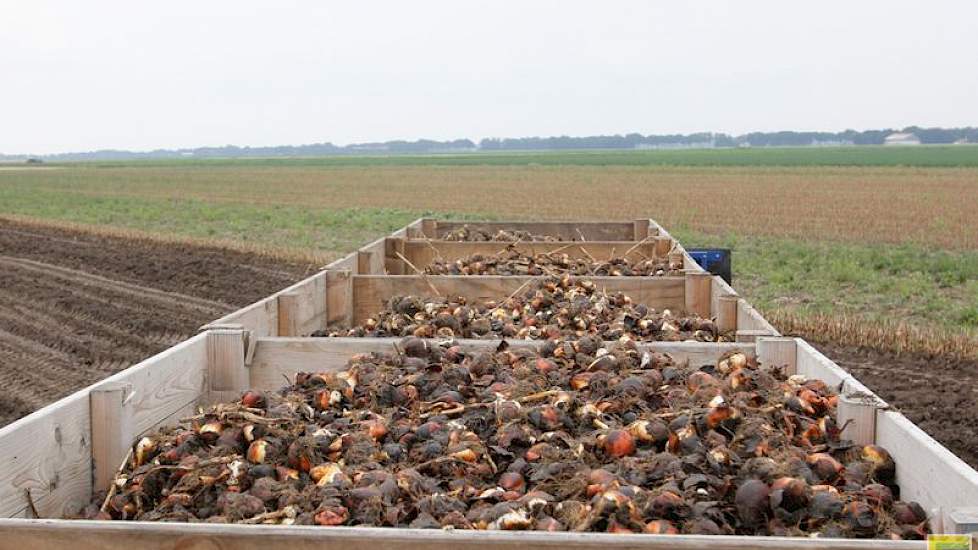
x=567, y=230
x=423, y=253
x=926, y=471
x=107, y=535
x=49, y=452
x=372, y=292
x=278, y=357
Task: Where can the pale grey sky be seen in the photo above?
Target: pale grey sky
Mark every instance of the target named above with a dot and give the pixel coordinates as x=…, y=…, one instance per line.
x=137, y=75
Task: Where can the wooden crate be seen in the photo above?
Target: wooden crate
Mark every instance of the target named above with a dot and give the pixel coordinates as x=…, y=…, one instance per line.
x=58, y=456
x=347, y=290
x=61, y=453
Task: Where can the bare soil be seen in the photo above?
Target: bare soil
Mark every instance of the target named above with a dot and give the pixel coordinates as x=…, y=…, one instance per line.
x=76, y=307
x=938, y=394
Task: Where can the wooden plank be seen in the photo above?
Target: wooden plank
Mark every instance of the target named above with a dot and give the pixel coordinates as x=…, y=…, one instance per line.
x=278, y=357
x=339, y=298
x=813, y=364
x=567, y=230
x=260, y=317
x=49, y=451
x=926, y=471
x=857, y=416
x=370, y=258
x=429, y=228
x=778, y=351
x=372, y=292
x=642, y=227
x=748, y=318
x=111, y=416
x=727, y=313
x=961, y=521
x=125, y=535
x=698, y=293
x=392, y=262
x=288, y=312
x=226, y=372
x=663, y=246
x=424, y=253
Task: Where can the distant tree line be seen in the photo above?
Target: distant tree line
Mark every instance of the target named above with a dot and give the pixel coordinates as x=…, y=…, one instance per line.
x=627, y=141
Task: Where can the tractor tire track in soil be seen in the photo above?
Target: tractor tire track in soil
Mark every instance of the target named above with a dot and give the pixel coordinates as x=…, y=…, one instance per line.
x=76, y=307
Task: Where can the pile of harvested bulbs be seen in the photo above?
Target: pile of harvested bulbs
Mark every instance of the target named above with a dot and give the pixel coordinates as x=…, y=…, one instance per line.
x=512, y=261
x=469, y=234
x=573, y=437
x=565, y=307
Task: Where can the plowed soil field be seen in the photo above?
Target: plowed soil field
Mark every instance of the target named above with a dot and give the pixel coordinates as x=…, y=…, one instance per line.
x=76, y=307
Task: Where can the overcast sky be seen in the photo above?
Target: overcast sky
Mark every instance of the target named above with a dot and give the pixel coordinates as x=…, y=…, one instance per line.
x=137, y=75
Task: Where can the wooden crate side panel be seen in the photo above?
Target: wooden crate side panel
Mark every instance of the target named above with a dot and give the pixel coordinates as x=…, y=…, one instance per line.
x=423, y=253
x=814, y=364
x=371, y=258
x=260, y=317
x=311, y=311
x=926, y=471
x=750, y=319
x=372, y=292
x=49, y=451
x=592, y=231
x=279, y=358
x=119, y=535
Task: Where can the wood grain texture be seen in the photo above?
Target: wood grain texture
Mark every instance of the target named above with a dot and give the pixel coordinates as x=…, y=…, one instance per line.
x=111, y=416
x=778, y=351
x=288, y=313
x=698, y=293
x=49, y=452
x=226, y=372
x=85, y=535
x=370, y=258
x=372, y=292
x=424, y=253
x=748, y=318
x=339, y=298
x=926, y=471
x=278, y=357
x=857, y=416
x=642, y=228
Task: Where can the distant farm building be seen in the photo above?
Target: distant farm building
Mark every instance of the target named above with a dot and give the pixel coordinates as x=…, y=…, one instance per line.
x=901, y=139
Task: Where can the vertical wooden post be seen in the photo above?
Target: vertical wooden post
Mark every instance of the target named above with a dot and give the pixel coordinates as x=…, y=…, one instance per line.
x=778, y=351
x=227, y=374
x=663, y=245
x=961, y=521
x=641, y=230
x=856, y=415
x=111, y=418
x=699, y=290
x=727, y=313
x=363, y=263
x=339, y=297
x=429, y=228
x=288, y=314
x=677, y=259
x=393, y=263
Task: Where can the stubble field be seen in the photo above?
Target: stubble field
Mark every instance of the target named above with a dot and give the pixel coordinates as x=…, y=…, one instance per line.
x=879, y=263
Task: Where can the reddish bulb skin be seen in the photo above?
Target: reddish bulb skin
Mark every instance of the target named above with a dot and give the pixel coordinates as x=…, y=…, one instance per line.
x=618, y=444
x=661, y=527
x=253, y=399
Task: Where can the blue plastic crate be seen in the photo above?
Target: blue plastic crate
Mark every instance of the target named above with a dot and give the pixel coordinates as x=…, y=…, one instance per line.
x=714, y=260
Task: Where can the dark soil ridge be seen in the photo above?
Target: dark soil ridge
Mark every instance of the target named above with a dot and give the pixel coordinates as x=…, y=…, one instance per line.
x=76, y=307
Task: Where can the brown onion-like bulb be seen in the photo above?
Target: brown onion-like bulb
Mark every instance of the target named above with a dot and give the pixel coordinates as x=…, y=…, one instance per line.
x=618, y=443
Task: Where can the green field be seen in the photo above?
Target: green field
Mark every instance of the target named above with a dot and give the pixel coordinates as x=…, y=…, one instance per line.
x=897, y=245
x=869, y=155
